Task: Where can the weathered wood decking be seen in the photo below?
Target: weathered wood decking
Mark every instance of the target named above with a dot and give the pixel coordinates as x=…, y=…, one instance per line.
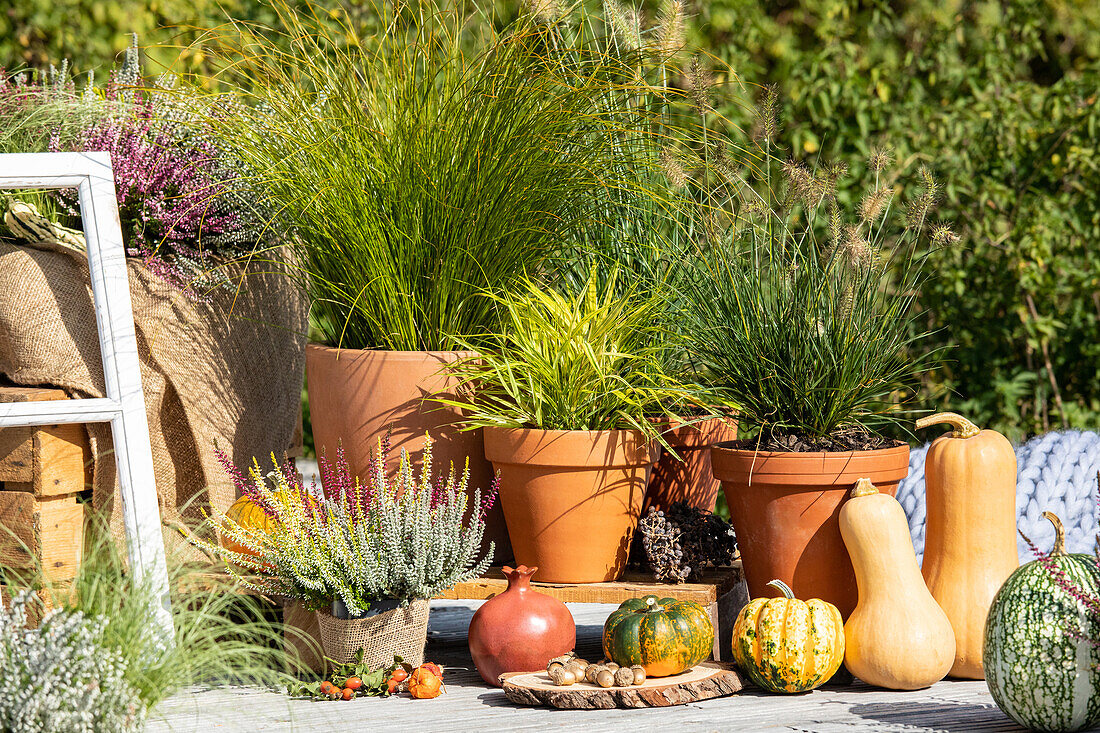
x=469, y=705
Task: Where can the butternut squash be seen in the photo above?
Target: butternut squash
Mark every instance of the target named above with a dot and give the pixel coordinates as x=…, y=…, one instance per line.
x=970, y=538
x=897, y=637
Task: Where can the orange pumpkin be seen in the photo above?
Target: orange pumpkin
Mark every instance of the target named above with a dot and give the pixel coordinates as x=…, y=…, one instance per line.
x=249, y=515
x=424, y=684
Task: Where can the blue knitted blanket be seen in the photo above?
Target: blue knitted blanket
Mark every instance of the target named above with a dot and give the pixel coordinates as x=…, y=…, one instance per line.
x=1056, y=472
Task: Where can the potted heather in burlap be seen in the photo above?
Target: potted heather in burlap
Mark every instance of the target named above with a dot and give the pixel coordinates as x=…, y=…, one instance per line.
x=366, y=557
x=222, y=332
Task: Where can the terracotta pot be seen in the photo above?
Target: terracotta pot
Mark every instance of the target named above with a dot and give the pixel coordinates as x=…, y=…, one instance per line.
x=520, y=630
x=355, y=396
x=571, y=498
x=690, y=479
x=784, y=508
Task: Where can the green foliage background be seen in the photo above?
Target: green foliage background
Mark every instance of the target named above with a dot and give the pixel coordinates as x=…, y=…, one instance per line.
x=999, y=97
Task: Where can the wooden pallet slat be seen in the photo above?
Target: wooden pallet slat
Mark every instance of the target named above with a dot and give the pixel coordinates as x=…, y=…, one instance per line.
x=46, y=532
x=48, y=460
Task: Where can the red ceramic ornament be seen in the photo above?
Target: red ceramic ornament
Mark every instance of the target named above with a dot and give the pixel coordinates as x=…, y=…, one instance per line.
x=520, y=630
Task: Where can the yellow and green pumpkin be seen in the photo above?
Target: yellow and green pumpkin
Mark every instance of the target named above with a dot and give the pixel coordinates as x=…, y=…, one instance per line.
x=664, y=635
x=249, y=515
x=787, y=645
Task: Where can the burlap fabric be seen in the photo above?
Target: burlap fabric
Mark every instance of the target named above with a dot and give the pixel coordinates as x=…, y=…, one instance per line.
x=228, y=371
x=302, y=636
x=402, y=631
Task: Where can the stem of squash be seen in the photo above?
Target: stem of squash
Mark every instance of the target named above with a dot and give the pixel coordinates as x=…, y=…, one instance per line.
x=1059, y=533
x=863, y=487
x=782, y=588
x=962, y=428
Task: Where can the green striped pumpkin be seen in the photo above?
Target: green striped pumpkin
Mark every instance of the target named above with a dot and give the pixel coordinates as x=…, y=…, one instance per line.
x=1039, y=672
x=664, y=635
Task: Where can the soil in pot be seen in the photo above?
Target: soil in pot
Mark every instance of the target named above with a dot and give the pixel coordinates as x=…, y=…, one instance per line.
x=356, y=396
x=572, y=499
x=785, y=506
x=690, y=480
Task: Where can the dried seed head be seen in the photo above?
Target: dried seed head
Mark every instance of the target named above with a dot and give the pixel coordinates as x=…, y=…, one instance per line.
x=836, y=225
x=547, y=12
x=943, y=235
x=834, y=171
x=858, y=251
x=673, y=169
x=880, y=158
x=768, y=113
x=873, y=204
x=701, y=81
x=626, y=24
x=671, y=25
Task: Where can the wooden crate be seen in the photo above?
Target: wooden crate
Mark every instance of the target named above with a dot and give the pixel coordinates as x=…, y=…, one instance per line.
x=44, y=474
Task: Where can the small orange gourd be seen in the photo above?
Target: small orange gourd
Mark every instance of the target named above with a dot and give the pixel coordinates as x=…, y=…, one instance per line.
x=424, y=684
x=249, y=515
x=897, y=637
x=970, y=536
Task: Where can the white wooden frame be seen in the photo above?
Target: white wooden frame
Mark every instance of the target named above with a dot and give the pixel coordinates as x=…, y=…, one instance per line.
x=124, y=405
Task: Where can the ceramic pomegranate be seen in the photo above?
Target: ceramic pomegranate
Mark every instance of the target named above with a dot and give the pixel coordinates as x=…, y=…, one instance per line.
x=520, y=630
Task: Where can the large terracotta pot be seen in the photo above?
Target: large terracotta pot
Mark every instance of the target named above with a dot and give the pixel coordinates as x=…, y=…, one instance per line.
x=355, y=396
x=520, y=630
x=571, y=498
x=784, y=508
x=690, y=479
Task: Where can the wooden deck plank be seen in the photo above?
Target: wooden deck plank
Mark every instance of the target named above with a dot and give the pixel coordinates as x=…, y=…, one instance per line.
x=469, y=705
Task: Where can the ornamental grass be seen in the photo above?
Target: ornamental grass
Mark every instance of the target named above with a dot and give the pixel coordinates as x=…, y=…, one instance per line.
x=802, y=310
x=413, y=168
x=104, y=626
x=587, y=361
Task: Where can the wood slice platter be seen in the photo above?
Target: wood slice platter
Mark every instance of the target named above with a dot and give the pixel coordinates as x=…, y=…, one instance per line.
x=701, y=682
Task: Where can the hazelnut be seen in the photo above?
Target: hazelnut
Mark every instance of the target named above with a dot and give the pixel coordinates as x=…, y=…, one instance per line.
x=562, y=676
x=590, y=673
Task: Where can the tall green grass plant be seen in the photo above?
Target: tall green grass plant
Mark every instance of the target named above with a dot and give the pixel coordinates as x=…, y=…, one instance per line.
x=415, y=168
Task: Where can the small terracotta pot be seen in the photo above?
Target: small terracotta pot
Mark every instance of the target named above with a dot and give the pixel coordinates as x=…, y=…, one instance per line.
x=355, y=396
x=690, y=479
x=520, y=630
x=784, y=508
x=571, y=498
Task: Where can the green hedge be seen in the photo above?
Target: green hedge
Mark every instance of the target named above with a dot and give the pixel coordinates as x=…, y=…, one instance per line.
x=999, y=97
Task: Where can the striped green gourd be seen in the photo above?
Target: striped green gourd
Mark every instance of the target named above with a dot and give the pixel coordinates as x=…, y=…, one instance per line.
x=664, y=635
x=1041, y=667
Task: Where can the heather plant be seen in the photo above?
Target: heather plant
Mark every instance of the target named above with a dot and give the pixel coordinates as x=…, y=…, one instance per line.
x=180, y=200
x=405, y=539
x=63, y=675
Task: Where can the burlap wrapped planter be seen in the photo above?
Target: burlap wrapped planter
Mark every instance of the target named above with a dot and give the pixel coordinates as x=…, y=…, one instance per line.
x=226, y=370
x=402, y=632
